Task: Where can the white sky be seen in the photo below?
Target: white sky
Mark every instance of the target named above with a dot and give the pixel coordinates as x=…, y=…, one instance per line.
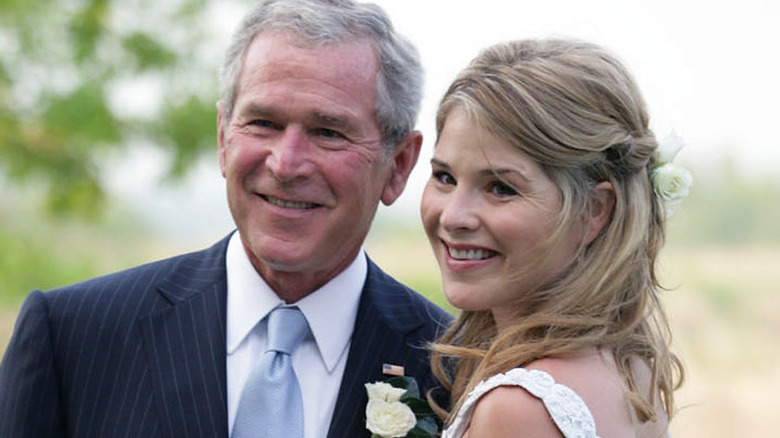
x=708, y=70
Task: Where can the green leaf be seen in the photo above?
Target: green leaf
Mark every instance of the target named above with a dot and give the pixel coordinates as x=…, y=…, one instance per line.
x=82, y=117
x=87, y=27
x=407, y=383
x=419, y=407
x=425, y=428
x=189, y=128
x=81, y=194
x=5, y=78
x=147, y=52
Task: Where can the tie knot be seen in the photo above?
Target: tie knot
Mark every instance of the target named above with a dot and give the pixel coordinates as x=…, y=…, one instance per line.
x=286, y=328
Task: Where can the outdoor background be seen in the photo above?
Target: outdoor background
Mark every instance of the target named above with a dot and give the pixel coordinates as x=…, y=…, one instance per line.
x=108, y=157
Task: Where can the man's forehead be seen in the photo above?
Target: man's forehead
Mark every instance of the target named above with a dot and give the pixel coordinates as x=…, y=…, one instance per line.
x=349, y=65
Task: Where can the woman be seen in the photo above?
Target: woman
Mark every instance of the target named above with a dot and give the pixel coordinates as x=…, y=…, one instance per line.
x=546, y=225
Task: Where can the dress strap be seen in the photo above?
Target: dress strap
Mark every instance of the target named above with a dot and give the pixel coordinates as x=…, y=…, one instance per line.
x=567, y=409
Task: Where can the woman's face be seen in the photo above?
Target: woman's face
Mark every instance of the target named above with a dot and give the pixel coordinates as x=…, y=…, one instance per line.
x=488, y=210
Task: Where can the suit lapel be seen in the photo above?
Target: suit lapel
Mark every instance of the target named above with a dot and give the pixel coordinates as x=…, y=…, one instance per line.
x=374, y=341
x=185, y=344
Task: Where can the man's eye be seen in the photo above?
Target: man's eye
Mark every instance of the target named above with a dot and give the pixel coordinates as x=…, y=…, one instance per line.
x=328, y=133
x=443, y=177
x=260, y=123
x=500, y=188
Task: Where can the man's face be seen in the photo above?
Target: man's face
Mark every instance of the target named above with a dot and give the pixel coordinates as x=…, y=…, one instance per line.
x=303, y=160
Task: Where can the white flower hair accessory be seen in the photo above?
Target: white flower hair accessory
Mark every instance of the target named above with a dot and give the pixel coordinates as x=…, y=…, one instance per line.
x=671, y=183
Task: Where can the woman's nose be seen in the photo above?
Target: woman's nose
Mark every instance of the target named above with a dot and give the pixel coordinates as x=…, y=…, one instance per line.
x=460, y=212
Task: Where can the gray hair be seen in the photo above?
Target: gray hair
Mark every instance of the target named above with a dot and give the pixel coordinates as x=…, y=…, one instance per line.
x=323, y=22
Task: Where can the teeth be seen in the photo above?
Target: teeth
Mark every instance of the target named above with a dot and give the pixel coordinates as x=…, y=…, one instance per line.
x=289, y=204
x=470, y=254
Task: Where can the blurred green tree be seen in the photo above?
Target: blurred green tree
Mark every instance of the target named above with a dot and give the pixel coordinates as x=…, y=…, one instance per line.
x=83, y=79
x=727, y=207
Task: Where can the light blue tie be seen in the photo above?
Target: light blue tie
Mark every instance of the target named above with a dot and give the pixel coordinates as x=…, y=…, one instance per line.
x=271, y=405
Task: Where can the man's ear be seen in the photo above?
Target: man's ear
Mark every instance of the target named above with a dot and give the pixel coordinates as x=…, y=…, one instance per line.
x=221, y=136
x=404, y=158
x=602, y=202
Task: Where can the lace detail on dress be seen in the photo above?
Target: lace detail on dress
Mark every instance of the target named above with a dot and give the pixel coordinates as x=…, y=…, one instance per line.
x=567, y=409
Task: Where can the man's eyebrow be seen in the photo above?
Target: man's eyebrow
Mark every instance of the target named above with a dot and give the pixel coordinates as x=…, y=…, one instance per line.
x=333, y=121
x=255, y=110
x=329, y=120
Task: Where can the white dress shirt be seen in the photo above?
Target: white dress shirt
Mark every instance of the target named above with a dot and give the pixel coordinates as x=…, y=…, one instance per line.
x=319, y=361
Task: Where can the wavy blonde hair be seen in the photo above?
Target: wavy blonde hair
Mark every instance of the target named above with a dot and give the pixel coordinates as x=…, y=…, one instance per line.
x=575, y=110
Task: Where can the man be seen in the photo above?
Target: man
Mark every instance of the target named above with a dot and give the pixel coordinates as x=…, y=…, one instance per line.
x=315, y=127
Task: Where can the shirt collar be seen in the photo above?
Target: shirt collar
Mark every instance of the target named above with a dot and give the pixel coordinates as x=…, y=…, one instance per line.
x=250, y=299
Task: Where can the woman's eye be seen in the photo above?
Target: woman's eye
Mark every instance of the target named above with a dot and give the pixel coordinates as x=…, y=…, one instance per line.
x=500, y=188
x=443, y=177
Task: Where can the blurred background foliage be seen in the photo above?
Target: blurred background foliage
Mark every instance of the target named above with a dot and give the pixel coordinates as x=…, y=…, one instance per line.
x=69, y=71
x=83, y=83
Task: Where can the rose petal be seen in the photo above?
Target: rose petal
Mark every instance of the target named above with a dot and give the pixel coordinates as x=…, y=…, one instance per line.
x=389, y=420
x=668, y=148
x=384, y=391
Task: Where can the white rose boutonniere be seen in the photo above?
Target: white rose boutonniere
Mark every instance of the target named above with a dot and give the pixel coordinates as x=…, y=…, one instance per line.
x=670, y=183
x=389, y=419
x=395, y=410
x=384, y=391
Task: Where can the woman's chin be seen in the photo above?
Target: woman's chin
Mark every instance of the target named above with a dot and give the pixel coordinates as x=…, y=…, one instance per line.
x=463, y=302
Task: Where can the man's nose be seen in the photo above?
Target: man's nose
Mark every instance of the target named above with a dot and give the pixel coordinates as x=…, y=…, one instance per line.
x=289, y=158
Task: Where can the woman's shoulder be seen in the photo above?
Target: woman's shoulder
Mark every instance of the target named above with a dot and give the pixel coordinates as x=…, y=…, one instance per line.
x=577, y=395
x=528, y=402
x=570, y=394
x=592, y=374
x=511, y=410
x=595, y=377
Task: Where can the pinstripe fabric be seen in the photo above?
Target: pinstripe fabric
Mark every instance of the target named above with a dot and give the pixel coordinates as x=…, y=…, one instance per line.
x=137, y=353
x=141, y=353
x=393, y=325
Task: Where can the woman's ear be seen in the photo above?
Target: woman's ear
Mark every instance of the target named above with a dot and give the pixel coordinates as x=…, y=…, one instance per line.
x=602, y=202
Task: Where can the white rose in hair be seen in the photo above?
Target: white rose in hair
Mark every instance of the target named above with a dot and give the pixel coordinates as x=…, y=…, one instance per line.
x=671, y=183
x=668, y=148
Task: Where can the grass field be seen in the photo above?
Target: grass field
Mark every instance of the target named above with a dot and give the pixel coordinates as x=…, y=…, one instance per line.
x=724, y=308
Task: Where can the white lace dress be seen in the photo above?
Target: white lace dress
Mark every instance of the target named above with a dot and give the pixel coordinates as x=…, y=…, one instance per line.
x=566, y=408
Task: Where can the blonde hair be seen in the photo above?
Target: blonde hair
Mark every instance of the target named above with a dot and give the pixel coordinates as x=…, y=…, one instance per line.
x=576, y=111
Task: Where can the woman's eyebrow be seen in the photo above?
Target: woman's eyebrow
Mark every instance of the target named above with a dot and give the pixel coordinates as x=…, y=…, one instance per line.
x=503, y=171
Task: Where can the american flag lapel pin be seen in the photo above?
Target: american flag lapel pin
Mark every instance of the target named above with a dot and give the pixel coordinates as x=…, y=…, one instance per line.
x=392, y=370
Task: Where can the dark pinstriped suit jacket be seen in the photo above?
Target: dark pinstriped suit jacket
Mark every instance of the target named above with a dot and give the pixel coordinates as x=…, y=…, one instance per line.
x=141, y=353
